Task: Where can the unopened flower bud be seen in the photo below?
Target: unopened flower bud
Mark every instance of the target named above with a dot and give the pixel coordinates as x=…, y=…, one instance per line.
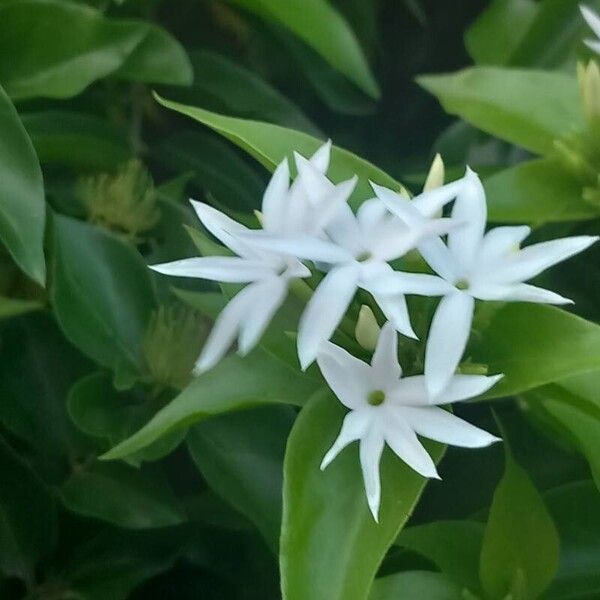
x=436, y=175
x=367, y=330
x=589, y=87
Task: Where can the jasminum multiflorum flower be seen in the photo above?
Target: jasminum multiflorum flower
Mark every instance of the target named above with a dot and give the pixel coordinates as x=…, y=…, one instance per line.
x=593, y=20
x=473, y=265
x=388, y=409
x=285, y=208
x=355, y=253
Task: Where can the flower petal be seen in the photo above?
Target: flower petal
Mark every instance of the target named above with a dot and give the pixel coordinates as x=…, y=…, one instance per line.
x=229, y=269
x=470, y=210
x=420, y=284
x=591, y=18
x=315, y=184
x=500, y=241
x=348, y=377
x=398, y=205
x=516, y=292
x=331, y=205
x=353, y=428
x=324, y=311
x=532, y=260
x=343, y=229
x=371, y=448
x=404, y=443
x=429, y=203
x=447, y=340
x=274, y=203
x=464, y=387
x=395, y=310
x=442, y=426
x=268, y=296
x=320, y=159
x=385, y=358
x=439, y=258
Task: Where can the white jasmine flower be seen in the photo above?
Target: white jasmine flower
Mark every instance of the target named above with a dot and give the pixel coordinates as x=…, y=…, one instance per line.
x=386, y=408
x=593, y=20
x=284, y=207
x=474, y=265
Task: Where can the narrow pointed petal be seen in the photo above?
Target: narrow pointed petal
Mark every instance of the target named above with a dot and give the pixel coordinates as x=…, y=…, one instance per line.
x=420, y=284
x=315, y=184
x=396, y=311
x=385, y=358
x=442, y=426
x=324, y=311
x=500, y=241
x=320, y=159
x=516, y=292
x=430, y=202
x=593, y=45
x=438, y=257
x=331, y=204
x=348, y=377
x=353, y=428
x=447, y=340
x=404, y=443
x=532, y=260
x=343, y=229
x=229, y=269
x=591, y=18
x=469, y=209
x=371, y=448
x=275, y=199
x=464, y=387
x=221, y=226
x=267, y=298
x=301, y=246
x=370, y=215
x=398, y=205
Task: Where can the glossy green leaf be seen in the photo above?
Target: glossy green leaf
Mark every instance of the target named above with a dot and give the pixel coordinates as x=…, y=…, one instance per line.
x=27, y=517
x=54, y=134
x=528, y=108
x=493, y=38
x=270, y=144
x=533, y=344
x=330, y=545
x=241, y=457
x=121, y=495
x=453, y=546
x=415, y=584
x=519, y=556
x=234, y=384
x=22, y=204
x=537, y=191
x=101, y=292
x=85, y=47
x=320, y=26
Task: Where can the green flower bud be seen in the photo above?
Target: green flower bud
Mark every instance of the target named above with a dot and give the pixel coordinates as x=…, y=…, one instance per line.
x=367, y=330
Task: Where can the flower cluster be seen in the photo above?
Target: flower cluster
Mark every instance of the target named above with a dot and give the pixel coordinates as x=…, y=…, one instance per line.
x=308, y=226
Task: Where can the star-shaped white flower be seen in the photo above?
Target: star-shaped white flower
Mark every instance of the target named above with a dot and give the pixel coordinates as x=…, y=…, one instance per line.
x=593, y=20
x=386, y=408
x=474, y=265
x=268, y=273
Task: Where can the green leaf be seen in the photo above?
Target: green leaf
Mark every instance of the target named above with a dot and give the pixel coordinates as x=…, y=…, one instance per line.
x=453, y=546
x=85, y=46
x=528, y=108
x=320, y=26
x=270, y=144
x=497, y=32
x=13, y=307
x=241, y=457
x=27, y=517
x=121, y=495
x=55, y=133
x=533, y=344
x=101, y=292
x=415, y=584
x=537, y=191
x=22, y=204
x=234, y=384
x=519, y=556
x=330, y=545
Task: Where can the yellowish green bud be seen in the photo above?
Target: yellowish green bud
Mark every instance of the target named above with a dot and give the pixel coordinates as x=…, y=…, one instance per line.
x=436, y=175
x=589, y=87
x=259, y=217
x=124, y=201
x=367, y=330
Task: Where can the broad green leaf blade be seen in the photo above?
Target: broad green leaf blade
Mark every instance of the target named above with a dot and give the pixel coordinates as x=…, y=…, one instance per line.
x=519, y=556
x=27, y=517
x=22, y=204
x=533, y=344
x=320, y=26
x=528, y=108
x=497, y=32
x=537, y=191
x=121, y=495
x=85, y=46
x=234, y=384
x=270, y=144
x=101, y=293
x=453, y=546
x=55, y=133
x=330, y=545
x=423, y=585
x=241, y=457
